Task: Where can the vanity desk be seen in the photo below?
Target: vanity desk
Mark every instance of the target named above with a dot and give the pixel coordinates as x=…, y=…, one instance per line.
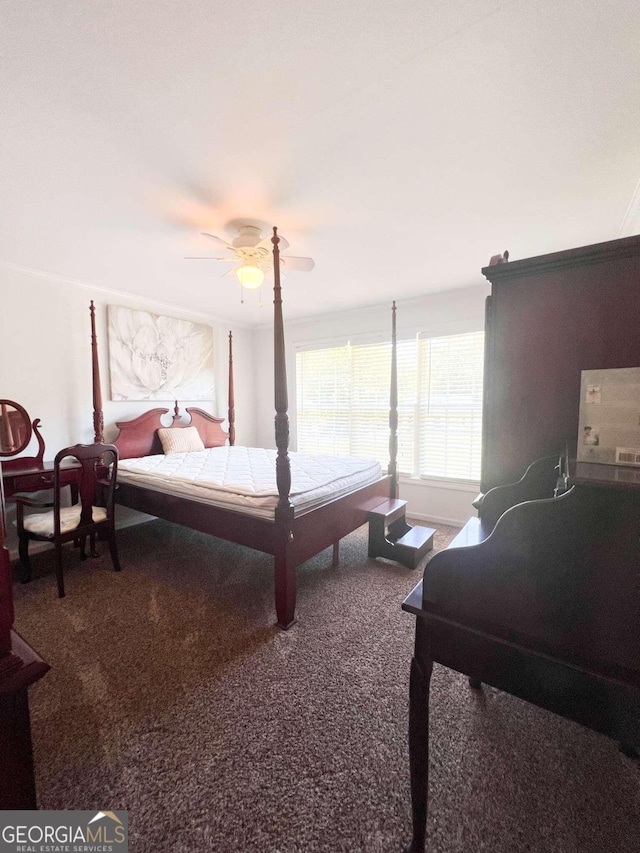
x=27, y=473
x=36, y=477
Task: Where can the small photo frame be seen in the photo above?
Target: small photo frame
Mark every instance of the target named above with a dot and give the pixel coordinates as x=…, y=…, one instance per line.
x=590, y=436
x=594, y=394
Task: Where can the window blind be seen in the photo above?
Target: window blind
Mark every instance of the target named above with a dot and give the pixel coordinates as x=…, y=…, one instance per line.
x=343, y=403
x=449, y=430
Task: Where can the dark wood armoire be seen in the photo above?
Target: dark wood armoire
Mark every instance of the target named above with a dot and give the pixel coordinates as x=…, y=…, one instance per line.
x=538, y=596
x=547, y=319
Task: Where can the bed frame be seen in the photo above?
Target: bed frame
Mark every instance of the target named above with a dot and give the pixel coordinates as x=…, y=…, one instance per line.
x=291, y=539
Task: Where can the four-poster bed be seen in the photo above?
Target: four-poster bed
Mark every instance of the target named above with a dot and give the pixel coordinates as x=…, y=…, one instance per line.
x=291, y=528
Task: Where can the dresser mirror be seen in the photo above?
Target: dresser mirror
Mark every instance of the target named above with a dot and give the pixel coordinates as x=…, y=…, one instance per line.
x=15, y=428
x=16, y=431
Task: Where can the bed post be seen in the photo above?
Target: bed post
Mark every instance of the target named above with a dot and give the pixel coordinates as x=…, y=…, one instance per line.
x=393, y=409
x=285, y=572
x=98, y=418
x=232, y=411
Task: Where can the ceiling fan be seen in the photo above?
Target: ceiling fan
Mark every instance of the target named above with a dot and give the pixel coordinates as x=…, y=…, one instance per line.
x=252, y=256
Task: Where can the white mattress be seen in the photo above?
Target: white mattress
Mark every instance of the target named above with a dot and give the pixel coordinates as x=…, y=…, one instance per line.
x=244, y=478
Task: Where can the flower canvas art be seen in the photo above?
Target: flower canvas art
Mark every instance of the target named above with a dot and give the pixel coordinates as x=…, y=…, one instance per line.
x=152, y=357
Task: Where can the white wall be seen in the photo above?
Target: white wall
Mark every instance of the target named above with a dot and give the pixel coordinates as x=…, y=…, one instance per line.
x=446, y=313
x=45, y=362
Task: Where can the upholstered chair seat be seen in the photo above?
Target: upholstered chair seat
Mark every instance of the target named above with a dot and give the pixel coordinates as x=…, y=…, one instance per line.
x=43, y=523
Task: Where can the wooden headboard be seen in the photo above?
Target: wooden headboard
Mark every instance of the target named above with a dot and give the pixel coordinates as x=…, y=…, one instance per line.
x=139, y=437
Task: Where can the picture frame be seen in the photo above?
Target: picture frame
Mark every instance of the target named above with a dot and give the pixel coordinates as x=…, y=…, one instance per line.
x=155, y=357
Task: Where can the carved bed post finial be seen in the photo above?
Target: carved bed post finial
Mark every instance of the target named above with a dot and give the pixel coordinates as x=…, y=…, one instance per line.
x=283, y=465
x=98, y=417
x=232, y=410
x=393, y=408
x=176, y=411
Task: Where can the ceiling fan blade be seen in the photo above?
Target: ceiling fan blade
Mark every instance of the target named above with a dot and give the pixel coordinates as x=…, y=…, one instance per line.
x=302, y=264
x=222, y=244
x=267, y=244
x=197, y=258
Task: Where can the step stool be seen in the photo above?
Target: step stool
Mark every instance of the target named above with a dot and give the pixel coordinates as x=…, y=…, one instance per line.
x=390, y=536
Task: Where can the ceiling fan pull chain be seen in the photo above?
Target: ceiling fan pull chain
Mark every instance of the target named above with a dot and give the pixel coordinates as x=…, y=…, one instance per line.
x=241, y=294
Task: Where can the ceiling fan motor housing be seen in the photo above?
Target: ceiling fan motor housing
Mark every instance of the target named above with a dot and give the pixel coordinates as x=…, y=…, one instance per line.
x=248, y=237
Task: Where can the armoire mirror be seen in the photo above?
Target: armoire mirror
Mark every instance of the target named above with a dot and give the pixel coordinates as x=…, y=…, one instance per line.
x=16, y=429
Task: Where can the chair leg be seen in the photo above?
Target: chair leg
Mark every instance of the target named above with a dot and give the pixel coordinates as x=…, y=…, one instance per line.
x=83, y=547
x=114, y=551
x=92, y=540
x=59, y=570
x=23, y=552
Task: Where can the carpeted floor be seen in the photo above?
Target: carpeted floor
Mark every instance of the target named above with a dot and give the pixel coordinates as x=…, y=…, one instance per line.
x=173, y=695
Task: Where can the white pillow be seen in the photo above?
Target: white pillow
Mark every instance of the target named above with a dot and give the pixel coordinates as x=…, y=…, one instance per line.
x=180, y=440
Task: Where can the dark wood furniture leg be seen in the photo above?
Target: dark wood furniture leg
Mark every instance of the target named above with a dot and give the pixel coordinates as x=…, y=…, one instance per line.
x=17, y=781
x=25, y=562
x=18, y=670
x=113, y=549
x=285, y=583
x=59, y=569
x=335, y=557
x=421, y=670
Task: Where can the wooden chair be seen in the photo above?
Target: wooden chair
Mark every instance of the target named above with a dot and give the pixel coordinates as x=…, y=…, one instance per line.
x=93, y=515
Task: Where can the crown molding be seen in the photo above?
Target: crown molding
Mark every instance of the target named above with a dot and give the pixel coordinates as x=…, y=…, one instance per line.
x=110, y=292
x=631, y=220
x=357, y=311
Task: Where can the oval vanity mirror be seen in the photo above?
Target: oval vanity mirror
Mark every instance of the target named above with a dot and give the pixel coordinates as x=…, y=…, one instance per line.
x=15, y=428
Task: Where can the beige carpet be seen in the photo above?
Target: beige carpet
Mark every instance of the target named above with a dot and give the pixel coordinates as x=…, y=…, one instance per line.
x=173, y=695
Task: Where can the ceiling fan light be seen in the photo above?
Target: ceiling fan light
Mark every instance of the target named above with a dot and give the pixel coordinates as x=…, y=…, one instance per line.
x=250, y=276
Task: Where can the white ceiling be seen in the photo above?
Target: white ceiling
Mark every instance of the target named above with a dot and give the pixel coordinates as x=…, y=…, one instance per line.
x=400, y=143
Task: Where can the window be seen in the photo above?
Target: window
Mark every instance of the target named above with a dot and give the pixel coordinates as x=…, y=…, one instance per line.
x=343, y=403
